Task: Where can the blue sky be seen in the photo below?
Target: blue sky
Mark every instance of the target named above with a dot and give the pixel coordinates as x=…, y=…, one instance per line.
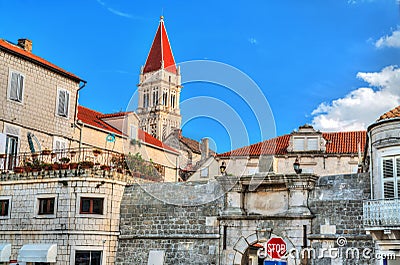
x=330, y=63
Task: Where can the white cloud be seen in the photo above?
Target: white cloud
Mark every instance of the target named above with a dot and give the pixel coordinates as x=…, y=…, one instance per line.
x=363, y=106
x=253, y=41
x=114, y=11
x=389, y=41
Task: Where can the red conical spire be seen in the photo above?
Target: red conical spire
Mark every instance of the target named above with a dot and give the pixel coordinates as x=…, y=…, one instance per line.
x=160, y=55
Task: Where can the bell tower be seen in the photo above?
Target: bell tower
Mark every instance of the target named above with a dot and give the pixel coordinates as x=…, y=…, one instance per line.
x=159, y=89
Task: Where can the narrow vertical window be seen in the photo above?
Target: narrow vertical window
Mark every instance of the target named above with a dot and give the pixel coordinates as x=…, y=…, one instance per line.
x=63, y=103
x=16, y=86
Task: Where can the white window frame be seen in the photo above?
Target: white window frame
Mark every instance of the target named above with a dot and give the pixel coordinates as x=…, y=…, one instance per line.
x=60, y=140
x=395, y=179
x=20, y=101
x=90, y=195
x=59, y=90
x=9, y=198
x=37, y=202
x=89, y=248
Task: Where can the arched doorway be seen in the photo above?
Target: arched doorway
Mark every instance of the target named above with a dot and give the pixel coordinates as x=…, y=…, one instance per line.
x=250, y=257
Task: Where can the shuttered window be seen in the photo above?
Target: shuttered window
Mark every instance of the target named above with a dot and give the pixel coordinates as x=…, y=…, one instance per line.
x=298, y=144
x=312, y=143
x=63, y=103
x=16, y=86
x=391, y=177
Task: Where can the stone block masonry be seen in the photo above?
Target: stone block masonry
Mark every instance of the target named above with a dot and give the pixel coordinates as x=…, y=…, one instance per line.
x=187, y=234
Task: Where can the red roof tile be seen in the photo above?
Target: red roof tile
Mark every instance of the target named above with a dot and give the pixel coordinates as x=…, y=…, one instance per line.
x=160, y=51
x=113, y=115
x=5, y=45
x=147, y=138
x=394, y=113
x=94, y=118
x=337, y=143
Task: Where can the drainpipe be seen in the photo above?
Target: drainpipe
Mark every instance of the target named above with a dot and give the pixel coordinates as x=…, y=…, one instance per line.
x=371, y=165
x=76, y=100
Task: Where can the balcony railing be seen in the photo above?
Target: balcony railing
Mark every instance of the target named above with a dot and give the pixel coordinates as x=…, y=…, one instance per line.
x=385, y=213
x=82, y=158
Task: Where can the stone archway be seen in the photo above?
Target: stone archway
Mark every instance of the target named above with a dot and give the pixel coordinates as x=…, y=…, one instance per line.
x=244, y=245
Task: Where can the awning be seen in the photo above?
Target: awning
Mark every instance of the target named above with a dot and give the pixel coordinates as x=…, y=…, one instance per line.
x=5, y=252
x=38, y=253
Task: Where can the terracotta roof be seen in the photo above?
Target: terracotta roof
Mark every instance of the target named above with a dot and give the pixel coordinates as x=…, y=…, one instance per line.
x=113, y=115
x=337, y=143
x=160, y=51
x=94, y=118
x=5, y=45
x=147, y=138
x=394, y=113
x=193, y=145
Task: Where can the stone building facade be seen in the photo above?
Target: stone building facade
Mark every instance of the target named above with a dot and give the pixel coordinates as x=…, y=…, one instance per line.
x=63, y=216
x=382, y=209
x=309, y=213
x=38, y=102
x=317, y=153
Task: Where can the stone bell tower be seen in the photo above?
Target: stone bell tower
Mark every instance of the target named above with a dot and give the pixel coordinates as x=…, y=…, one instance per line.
x=159, y=89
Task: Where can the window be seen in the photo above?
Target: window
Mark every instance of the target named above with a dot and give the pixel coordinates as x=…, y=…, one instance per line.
x=63, y=103
x=391, y=177
x=16, y=86
x=306, y=144
x=4, y=207
x=155, y=98
x=173, y=101
x=46, y=206
x=165, y=98
x=91, y=205
x=312, y=143
x=83, y=257
x=11, y=151
x=146, y=100
x=298, y=144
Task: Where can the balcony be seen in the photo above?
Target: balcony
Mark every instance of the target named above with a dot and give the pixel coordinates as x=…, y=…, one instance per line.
x=382, y=213
x=83, y=158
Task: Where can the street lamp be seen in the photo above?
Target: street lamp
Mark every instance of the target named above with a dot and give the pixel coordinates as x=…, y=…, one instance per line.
x=222, y=169
x=296, y=166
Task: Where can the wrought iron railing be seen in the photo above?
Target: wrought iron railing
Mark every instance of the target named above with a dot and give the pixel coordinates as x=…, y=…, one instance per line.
x=81, y=158
x=385, y=212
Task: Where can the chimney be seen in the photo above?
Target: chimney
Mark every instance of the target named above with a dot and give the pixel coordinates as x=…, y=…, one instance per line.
x=25, y=44
x=204, y=148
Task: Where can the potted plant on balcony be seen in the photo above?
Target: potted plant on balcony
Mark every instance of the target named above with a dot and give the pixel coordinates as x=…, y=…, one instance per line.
x=105, y=167
x=46, y=152
x=96, y=152
x=86, y=164
x=73, y=165
x=19, y=169
x=64, y=162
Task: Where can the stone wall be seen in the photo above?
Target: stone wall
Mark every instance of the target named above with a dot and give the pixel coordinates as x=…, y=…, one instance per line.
x=178, y=222
x=67, y=227
x=337, y=203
